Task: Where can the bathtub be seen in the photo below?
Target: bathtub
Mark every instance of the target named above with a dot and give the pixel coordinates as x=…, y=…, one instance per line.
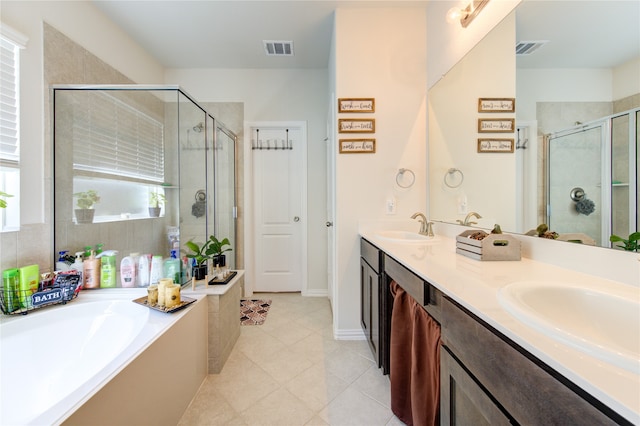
x=55, y=359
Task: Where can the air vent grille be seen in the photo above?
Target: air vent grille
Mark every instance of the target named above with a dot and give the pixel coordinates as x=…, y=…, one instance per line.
x=278, y=48
x=528, y=47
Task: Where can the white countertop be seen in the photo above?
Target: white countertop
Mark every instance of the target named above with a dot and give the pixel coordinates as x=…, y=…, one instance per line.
x=202, y=287
x=474, y=284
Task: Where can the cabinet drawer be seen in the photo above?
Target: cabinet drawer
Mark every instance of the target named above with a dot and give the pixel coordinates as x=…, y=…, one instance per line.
x=424, y=293
x=371, y=254
x=523, y=385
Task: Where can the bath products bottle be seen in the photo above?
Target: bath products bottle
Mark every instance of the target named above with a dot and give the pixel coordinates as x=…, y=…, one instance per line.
x=108, y=269
x=91, y=272
x=143, y=271
x=10, y=286
x=172, y=267
x=62, y=264
x=78, y=265
x=128, y=271
x=156, y=269
x=29, y=278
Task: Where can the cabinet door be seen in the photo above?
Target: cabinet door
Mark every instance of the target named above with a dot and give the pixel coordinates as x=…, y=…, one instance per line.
x=365, y=298
x=370, y=307
x=462, y=400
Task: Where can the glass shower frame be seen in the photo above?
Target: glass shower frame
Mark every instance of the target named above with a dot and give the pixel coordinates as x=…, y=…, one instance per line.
x=618, y=174
x=186, y=169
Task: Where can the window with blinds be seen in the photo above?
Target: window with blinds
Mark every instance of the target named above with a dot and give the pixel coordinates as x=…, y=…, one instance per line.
x=113, y=139
x=9, y=105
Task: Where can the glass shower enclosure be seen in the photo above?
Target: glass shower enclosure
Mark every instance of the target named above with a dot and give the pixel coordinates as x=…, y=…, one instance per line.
x=592, y=178
x=134, y=147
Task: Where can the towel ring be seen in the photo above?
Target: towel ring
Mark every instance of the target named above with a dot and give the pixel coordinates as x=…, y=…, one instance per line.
x=451, y=173
x=401, y=173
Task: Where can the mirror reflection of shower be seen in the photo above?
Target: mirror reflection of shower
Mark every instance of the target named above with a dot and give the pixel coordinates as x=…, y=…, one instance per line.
x=599, y=157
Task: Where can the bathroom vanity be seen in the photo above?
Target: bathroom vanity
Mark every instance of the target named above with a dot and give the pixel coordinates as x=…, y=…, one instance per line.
x=494, y=368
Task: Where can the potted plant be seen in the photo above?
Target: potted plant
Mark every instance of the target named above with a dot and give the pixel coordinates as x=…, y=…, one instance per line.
x=3, y=202
x=217, y=249
x=156, y=200
x=629, y=244
x=85, y=202
x=200, y=253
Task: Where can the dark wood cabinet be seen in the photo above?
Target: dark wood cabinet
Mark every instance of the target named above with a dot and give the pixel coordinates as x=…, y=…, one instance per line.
x=488, y=379
x=370, y=288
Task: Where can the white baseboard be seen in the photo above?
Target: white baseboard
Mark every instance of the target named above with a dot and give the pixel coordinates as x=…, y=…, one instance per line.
x=315, y=293
x=350, y=334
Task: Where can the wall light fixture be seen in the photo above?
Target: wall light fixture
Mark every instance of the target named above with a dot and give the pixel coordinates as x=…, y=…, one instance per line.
x=468, y=14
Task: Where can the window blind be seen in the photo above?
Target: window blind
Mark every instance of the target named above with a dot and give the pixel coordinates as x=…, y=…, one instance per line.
x=113, y=138
x=9, y=128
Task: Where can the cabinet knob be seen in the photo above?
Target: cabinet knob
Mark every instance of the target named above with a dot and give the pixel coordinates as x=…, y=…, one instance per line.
x=329, y=224
x=296, y=219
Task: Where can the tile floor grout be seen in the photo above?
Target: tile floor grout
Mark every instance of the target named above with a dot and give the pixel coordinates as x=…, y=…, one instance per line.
x=290, y=371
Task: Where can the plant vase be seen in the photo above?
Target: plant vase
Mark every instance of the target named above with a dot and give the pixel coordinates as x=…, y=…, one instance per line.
x=154, y=211
x=220, y=260
x=84, y=215
x=199, y=272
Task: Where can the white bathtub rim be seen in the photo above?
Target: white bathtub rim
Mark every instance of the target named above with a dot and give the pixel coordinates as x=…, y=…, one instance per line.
x=158, y=324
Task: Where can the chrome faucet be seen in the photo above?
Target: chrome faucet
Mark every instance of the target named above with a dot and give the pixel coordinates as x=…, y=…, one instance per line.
x=467, y=220
x=426, y=227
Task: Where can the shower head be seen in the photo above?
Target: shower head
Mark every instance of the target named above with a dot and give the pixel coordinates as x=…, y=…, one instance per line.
x=199, y=127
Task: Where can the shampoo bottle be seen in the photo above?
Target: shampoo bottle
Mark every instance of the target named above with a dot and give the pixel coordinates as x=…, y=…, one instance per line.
x=143, y=271
x=29, y=277
x=108, y=269
x=128, y=271
x=156, y=269
x=91, y=272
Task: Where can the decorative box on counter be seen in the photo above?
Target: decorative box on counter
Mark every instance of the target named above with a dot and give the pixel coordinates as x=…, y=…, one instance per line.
x=480, y=245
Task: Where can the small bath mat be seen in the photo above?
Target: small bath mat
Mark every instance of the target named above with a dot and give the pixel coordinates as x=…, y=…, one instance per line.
x=254, y=312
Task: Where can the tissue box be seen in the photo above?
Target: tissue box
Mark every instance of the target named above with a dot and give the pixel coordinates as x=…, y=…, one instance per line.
x=491, y=247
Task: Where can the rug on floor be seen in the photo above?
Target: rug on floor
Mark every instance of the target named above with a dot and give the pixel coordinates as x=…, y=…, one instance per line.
x=254, y=311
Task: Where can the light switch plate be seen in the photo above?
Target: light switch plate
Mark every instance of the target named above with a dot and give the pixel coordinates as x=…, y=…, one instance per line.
x=391, y=205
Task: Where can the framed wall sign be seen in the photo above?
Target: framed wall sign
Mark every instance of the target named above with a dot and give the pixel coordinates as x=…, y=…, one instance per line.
x=356, y=105
x=357, y=125
x=357, y=146
x=495, y=145
x=496, y=105
x=496, y=125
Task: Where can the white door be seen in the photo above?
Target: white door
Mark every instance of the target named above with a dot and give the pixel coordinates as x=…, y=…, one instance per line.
x=331, y=181
x=279, y=183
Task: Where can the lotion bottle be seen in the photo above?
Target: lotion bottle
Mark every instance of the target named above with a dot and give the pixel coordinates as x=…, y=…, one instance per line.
x=91, y=271
x=143, y=271
x=128, y=271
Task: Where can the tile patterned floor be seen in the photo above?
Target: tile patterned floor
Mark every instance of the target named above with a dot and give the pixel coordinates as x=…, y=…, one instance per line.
x=289, y=371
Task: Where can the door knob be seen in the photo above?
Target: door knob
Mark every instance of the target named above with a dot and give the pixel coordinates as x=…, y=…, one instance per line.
x=296, y=219
x=329, y=224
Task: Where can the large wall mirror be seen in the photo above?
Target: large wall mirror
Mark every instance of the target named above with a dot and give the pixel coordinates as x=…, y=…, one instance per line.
x=576, y=84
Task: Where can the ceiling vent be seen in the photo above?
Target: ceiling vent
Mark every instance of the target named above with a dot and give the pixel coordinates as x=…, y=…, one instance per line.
x=278, y=48
x=528, y=47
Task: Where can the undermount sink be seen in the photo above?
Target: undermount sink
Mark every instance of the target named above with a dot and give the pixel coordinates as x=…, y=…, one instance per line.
x=406, y=237
x=605, y=325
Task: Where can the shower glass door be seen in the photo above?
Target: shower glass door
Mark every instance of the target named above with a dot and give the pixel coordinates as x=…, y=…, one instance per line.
x=576, y=168
x=224, y=193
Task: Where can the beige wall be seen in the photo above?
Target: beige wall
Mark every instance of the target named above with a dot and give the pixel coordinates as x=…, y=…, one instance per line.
x=381, y=54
